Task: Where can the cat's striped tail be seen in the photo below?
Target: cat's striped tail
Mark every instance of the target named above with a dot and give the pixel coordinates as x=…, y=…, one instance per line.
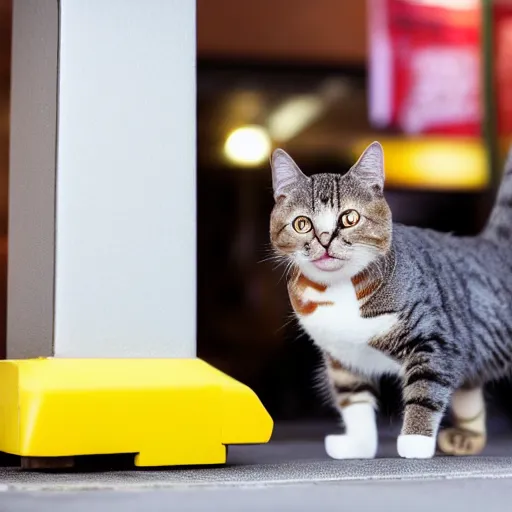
x=499, y=225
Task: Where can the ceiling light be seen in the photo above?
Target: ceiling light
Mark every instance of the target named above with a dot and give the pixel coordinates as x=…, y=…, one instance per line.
x=248, y=146
x=290, y=118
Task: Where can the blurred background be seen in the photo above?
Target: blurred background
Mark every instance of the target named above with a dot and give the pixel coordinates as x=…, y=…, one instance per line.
x=430, y=79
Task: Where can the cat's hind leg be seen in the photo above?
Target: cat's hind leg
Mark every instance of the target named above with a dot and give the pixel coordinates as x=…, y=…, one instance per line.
x=468, y=436
x=355, y=399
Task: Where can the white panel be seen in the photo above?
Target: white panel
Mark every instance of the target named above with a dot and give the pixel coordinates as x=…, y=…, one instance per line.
x=126, y=213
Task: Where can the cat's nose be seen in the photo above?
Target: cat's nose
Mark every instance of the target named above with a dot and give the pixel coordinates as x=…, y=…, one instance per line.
x=324, y=238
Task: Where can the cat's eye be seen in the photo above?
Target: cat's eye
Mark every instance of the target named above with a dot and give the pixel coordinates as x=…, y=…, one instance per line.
x=349, y=219
x=302, y=224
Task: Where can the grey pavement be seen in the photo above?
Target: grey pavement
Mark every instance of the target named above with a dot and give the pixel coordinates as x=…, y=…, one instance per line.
x=418, y=496
x=290, y=473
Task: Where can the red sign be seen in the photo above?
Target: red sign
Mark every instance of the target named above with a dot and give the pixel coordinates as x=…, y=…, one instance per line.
x=425, y=66
x=502, y=26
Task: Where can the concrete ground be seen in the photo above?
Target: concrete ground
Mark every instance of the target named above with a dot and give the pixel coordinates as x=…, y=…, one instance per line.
x=291, y=473
x=377, y=496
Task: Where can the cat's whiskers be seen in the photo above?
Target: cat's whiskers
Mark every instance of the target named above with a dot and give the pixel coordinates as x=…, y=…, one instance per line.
x=291, y=318
x=272, y=257
x=287, y=269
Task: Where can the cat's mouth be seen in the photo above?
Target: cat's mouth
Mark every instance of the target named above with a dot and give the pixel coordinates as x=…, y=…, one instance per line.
x=327, y=263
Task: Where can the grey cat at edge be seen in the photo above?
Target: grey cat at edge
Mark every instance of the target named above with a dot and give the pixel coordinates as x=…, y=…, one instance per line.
x=381, y=298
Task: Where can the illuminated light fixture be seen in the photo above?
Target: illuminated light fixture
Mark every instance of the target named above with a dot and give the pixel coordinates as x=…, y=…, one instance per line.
x=248, y=146
x=290, y=118
x=433, y=164
x=298, y=112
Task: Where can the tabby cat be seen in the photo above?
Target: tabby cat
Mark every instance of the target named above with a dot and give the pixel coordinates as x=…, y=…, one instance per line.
x=380, y=298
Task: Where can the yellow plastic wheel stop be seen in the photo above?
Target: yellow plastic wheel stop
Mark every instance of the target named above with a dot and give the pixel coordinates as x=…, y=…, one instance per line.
x=168, y=412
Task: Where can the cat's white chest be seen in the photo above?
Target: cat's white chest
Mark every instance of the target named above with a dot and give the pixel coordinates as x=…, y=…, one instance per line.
x=337, y=327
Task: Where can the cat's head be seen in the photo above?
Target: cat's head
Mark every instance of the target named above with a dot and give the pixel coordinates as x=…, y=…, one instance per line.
x=330, y=226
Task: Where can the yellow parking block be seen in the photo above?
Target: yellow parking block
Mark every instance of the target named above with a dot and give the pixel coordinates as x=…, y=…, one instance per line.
x=165, y=411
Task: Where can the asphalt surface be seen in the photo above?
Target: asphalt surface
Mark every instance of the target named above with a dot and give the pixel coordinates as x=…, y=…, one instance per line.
x=291, y=473
x=419, y=496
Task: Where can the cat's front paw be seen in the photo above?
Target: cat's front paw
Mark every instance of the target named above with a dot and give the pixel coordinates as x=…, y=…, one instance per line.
x=351, y=447
x=416, y=446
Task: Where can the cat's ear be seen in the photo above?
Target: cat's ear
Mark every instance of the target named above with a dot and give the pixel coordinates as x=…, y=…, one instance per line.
x=285, y=172
x=370, y=167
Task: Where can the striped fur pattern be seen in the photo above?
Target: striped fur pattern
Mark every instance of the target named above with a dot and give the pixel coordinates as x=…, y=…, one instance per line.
x=348, y=388
x=381, y=298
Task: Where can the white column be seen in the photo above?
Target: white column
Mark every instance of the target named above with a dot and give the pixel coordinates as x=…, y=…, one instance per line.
x=102, y=249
